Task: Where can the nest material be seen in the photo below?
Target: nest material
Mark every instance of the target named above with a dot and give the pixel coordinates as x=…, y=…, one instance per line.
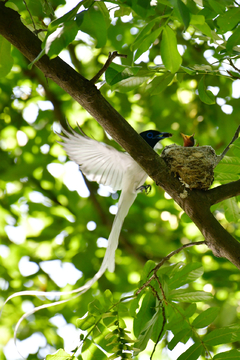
x=193, y=165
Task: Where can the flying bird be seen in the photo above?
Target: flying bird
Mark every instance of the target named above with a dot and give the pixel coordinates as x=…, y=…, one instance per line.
x=108, y=166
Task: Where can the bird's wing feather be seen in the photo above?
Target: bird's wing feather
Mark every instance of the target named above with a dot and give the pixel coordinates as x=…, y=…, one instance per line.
x=99, y=162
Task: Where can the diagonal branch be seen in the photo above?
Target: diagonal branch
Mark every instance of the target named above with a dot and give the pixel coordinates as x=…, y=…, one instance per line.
x=196, y=204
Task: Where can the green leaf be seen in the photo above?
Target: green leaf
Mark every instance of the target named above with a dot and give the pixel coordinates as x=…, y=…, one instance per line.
x=190, y=310
x=90, y=21
x=122, y=11
x=169, y=52
x=6, y=59
x=192, y=353
x=157, y=326
x=228, y=355
x=197, y=19
x=116, y=73
x=229, y=165
x=130, y=83
x=234, y=39
x=235, y=148
x=205, y=318
x=91, y=351
x=70, y=15
x=147, y=270
x=109, y=314
x=108, y=297
x=186, y=274
x=60, y=355
x=205, y=29
x=188, y=70
x=205, y=95
x=225, y=178
x=61, y=38
x=147, y=332
x=86, y=323
x=105, y=12
x=232, y=211
x=223, y=335
x=178, y=319
x=134, y=306
x=182, y=336
x=182, y=11
x=189, y=296
x=142, y=8
x=143, y=33
x=95, y=308
x=159, y=83
x=145, y=313
x=217, y=6
x=147, y=42
x=47, y=7
x=229, y=19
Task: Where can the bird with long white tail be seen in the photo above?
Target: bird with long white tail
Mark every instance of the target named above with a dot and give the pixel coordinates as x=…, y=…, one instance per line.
x=105, y=165
x=108, y=166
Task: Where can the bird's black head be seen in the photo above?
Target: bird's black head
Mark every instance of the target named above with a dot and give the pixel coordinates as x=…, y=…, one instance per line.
x=152, y=137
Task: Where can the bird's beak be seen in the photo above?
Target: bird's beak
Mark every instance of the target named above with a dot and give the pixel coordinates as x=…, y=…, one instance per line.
x=163, y=135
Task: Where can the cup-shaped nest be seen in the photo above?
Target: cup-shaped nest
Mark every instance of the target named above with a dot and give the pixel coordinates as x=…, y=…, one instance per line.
x=193, y=165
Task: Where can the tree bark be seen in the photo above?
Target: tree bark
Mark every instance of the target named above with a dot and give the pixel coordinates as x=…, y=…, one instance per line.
x=196, y=205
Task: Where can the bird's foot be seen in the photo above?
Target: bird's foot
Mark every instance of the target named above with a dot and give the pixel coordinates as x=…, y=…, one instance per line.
x=146, y=188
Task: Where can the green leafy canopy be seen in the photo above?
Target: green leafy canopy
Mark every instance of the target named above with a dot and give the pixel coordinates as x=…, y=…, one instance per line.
x=181, y=75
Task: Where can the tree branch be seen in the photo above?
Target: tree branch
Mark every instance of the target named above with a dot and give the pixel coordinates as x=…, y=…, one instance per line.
x=220, y=157
x=111, y=57
x=196, y=204
x=224, y=192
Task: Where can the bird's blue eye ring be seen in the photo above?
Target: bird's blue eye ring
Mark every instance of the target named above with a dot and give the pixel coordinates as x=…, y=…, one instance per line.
x=150, y=135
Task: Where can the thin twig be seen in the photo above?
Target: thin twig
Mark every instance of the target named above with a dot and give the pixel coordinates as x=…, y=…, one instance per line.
x=155, y=293
x=36, y=31
x=154, y=276
x=161, y=288
x=232, y=64
x=163, y=312
x=176, y=252
x=111, y=57
x=220, y=157
x=161, y=331
x=232, y=76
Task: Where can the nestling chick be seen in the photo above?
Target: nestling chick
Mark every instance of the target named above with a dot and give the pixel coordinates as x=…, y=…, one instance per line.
x=188, y=140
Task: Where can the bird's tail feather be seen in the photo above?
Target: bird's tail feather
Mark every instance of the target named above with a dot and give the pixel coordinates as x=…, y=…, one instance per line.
x=125, y=202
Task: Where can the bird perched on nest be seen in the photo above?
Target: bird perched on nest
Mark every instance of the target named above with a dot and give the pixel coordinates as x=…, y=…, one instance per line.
x=105, y=165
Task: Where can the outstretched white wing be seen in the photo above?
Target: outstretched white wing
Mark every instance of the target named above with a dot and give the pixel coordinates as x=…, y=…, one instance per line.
x=98, y=161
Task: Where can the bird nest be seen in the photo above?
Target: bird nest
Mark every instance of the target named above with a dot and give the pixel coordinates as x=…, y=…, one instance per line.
x=193, y=165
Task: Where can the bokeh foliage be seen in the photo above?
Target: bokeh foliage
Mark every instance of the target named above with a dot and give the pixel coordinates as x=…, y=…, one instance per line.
x=45, y=221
